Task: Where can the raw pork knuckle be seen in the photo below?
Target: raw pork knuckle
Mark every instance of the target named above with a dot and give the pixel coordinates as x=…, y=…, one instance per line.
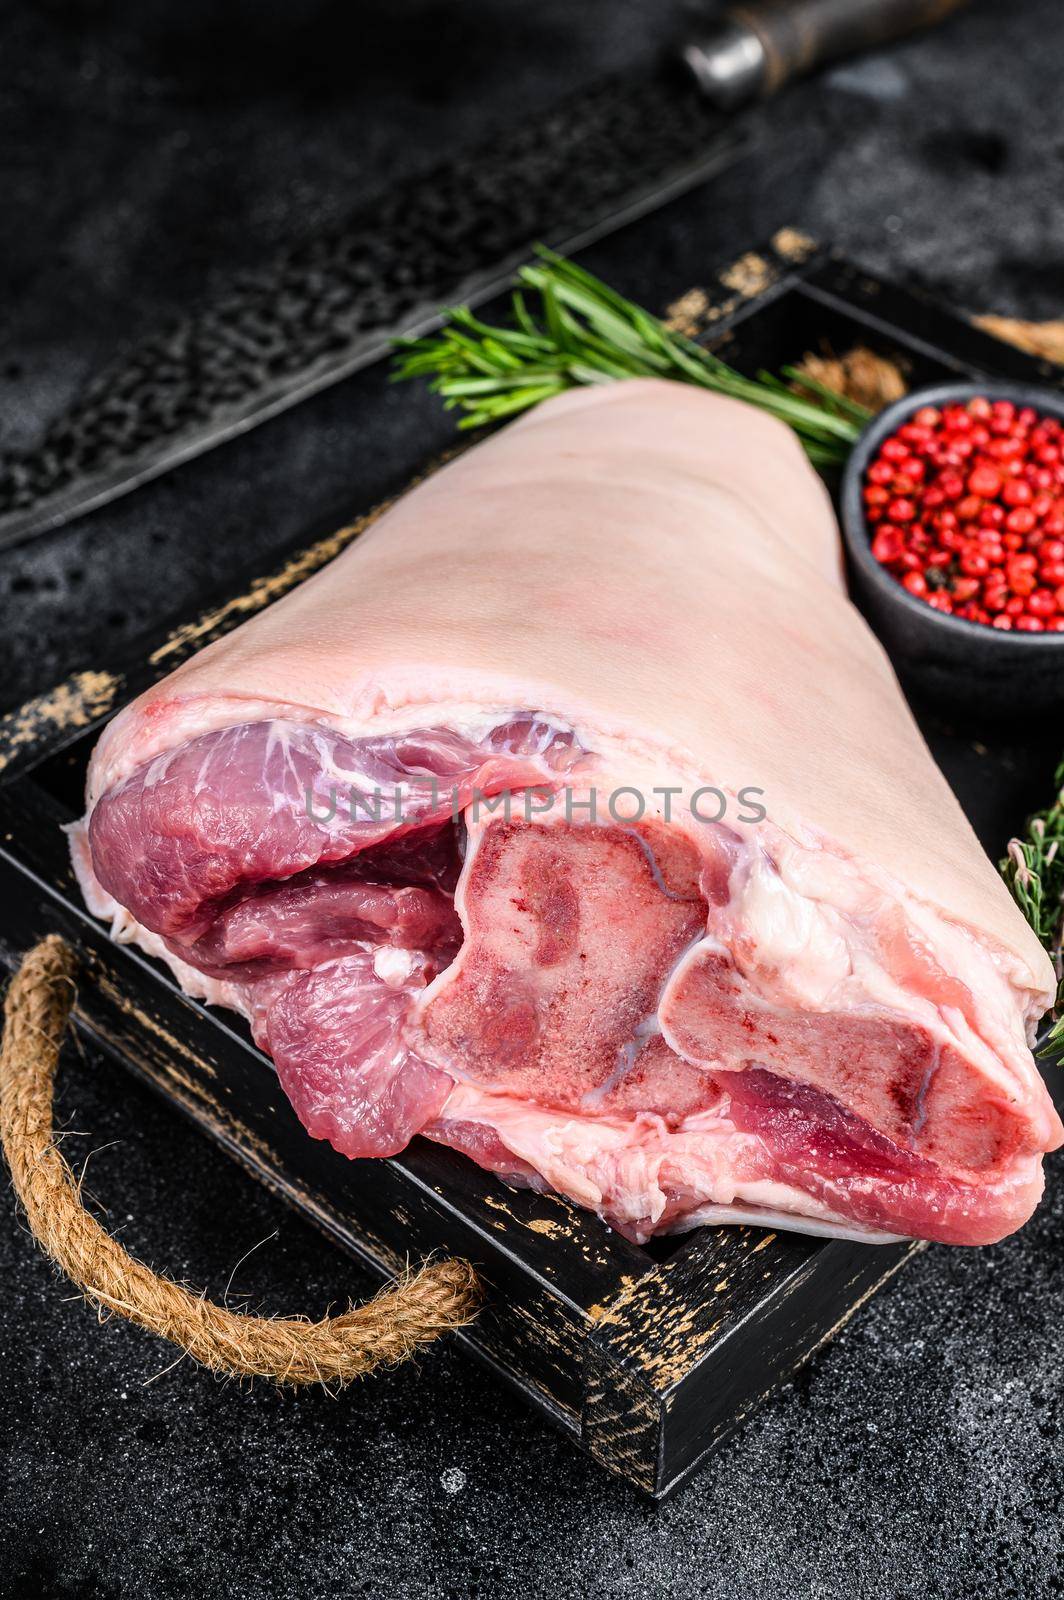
x=574, y=818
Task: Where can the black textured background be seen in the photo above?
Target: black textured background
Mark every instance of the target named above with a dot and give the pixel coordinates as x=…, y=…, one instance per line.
x=146, y=154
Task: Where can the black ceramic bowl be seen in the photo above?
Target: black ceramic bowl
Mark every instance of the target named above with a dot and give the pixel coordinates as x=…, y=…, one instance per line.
x=958, y=665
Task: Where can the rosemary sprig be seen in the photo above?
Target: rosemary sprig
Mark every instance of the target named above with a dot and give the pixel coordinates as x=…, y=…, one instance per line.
x=1034, y=870
x=569, y=328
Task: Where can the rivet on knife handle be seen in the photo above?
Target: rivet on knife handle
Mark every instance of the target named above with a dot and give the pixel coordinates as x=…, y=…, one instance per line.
x=758, y=47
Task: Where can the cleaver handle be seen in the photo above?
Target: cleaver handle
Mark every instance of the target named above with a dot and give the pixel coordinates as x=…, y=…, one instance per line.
x=758, y=46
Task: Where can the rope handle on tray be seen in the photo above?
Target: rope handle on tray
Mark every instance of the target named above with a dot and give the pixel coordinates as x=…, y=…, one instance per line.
x=417, y=1309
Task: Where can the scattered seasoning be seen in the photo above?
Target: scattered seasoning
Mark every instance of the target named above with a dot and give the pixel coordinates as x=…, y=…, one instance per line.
x=966, y=509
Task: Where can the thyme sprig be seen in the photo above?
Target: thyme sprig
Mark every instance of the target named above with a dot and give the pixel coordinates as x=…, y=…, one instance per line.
x=569, y=328
x=1033, y=868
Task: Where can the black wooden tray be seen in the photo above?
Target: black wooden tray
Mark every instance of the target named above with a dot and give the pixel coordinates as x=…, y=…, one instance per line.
x=647, y=1357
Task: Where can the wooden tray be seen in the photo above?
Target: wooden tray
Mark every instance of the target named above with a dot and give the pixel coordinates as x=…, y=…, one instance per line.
x=647, y=1358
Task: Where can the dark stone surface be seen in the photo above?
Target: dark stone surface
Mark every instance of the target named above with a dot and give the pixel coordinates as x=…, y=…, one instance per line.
x=144, y=152
x=145, y=160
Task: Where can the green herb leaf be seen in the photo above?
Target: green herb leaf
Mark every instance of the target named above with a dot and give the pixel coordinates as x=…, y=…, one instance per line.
x=1033, y=868
x=569, y=328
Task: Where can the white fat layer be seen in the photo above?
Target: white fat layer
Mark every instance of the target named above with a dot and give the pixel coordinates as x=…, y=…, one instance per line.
x=393, y=966
x=825, y=1227
x=778, y=930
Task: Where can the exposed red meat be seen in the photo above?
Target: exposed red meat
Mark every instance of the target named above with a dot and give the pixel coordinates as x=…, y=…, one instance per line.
x=816, y=1145
x=891, y=1072
x=571, y=935
x=325, y=913
x=337, y=1038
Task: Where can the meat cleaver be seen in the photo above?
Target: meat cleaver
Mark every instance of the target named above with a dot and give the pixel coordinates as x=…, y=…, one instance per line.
x=329, y=306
